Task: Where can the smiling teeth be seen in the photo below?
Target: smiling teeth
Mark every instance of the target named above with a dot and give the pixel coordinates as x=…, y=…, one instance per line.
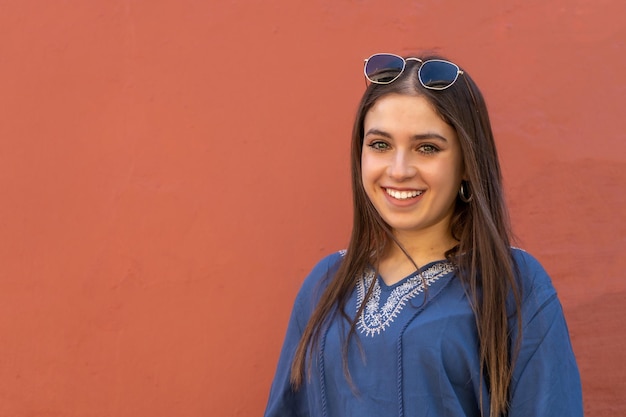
x=402, y=195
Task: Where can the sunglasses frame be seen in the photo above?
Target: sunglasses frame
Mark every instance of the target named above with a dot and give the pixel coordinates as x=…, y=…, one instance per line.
x=419, y=71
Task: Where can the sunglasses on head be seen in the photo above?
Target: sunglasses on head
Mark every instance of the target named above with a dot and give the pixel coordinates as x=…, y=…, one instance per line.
x=434, y=74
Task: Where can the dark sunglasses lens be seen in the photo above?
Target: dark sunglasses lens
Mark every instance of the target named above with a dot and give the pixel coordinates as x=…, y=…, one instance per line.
x=383, y=68
x=438, y=74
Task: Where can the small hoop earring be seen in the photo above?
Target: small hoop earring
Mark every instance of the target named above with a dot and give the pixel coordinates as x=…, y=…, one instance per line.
x=465, y=196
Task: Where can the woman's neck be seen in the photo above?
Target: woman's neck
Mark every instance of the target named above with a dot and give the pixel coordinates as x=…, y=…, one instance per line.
x=422, y=248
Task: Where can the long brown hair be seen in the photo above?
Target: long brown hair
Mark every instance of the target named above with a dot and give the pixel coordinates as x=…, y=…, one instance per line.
x=482, y=257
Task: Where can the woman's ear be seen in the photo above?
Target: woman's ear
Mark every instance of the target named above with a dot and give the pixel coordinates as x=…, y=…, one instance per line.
x=464, y=176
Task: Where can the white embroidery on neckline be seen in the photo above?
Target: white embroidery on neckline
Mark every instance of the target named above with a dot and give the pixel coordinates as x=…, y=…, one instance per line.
x=376, y=318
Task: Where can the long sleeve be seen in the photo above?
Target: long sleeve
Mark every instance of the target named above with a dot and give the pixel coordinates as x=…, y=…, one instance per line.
x=283, y=400
x=546, y=381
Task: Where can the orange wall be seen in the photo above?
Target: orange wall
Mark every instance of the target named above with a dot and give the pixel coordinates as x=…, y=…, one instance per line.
x=171, y=169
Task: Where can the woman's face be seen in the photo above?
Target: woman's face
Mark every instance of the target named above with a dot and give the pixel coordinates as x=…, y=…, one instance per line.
x=411, y=165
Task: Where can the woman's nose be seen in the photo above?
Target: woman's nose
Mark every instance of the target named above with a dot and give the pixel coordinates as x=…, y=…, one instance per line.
x=401, y=167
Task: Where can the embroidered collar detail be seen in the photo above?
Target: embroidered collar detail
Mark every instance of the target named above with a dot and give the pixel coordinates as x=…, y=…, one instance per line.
x=376, y=317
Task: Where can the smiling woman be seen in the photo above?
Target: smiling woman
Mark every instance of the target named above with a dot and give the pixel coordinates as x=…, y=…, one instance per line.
x=411, y=171
x=430, y=311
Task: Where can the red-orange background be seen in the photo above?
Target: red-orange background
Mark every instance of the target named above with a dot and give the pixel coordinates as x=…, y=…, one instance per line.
x=171, y=169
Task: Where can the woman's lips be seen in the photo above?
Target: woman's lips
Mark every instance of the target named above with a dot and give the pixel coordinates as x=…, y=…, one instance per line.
x=402, y=194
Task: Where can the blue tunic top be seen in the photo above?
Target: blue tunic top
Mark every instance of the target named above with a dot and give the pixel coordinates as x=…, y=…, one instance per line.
x=416, y=351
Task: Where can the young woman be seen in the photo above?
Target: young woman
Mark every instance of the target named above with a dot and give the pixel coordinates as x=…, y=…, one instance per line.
x=429, y=311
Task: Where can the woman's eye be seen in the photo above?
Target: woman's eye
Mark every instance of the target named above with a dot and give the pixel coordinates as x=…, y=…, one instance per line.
x=379, y=146
x=428, y=149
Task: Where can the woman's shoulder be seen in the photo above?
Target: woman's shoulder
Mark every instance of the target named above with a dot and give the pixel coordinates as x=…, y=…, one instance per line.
x=318, y=278
x=530, y=268
x=535, y=283
x=323, y=269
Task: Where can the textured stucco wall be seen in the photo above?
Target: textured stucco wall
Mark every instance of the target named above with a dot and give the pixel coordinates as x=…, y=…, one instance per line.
x=171, y=169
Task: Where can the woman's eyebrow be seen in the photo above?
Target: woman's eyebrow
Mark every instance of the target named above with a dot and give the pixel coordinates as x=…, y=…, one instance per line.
x=420, y=136
x=429, y=135
x=378, y=132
